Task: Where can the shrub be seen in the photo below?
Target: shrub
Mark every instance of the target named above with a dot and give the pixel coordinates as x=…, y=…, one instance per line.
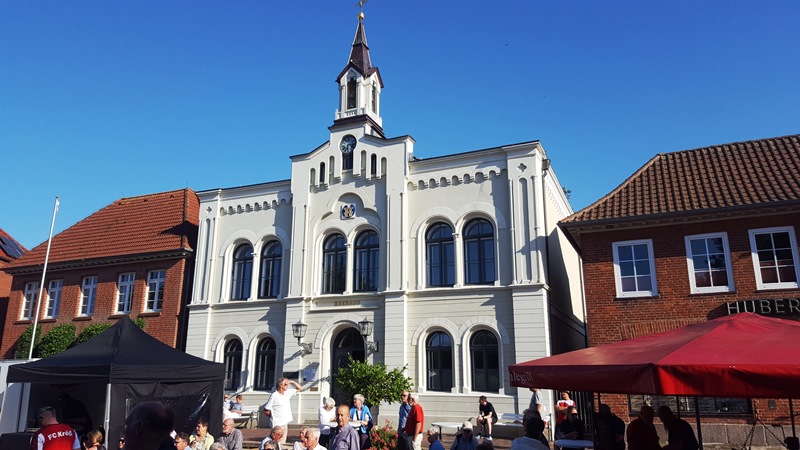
x=374, y=381
x=139, y=321
x=56, y=340
x=383, y=438
x=91, y=331
x=24, y=343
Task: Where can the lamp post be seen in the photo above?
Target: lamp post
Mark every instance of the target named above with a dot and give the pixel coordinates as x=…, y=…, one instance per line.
x=299, y=331
x=366, y=326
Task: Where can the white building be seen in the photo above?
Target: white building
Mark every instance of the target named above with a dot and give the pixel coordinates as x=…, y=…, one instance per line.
x=456, y=260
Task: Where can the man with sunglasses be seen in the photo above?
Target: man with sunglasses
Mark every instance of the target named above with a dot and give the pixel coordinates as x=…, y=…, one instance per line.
x=405, y=408
x=53, y=435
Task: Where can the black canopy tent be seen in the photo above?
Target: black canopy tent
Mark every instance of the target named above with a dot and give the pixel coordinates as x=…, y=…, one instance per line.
x=135, y=367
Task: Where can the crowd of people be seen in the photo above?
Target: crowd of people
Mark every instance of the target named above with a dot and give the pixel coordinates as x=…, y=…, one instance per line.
x=149, y=426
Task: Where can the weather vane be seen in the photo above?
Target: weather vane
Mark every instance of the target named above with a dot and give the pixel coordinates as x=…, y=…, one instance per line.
x=360, y=5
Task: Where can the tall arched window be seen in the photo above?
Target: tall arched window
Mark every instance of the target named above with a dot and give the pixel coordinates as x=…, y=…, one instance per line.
x=439, y=350
x=440, y=255
x=242, y=272
x=269, y=283
x=485, y=362
x=334, y=264
x=479, y=252
x=233, y=364
x=265, y=364
x=365, y=275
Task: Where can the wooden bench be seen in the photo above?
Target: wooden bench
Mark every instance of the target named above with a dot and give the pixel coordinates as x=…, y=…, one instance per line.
x=248, y=419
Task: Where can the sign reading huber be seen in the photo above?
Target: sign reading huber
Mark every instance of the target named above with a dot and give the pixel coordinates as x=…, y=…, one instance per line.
x=770, y=306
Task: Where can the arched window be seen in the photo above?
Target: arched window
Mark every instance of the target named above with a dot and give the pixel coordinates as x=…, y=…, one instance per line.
x=265, y=364
x=233, y=364
x=485, y=362
x=479, y=252
x=269, y=283
x=439, y=350
x=365, y=275
x=334, y=264
x=440, y=255
x=242, y=272
x=373, y=164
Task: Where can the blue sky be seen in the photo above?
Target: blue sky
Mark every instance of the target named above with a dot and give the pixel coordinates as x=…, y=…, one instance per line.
x=107, y=99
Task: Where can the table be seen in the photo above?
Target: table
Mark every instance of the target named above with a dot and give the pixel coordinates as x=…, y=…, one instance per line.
x=441, y=425
x=571, y=443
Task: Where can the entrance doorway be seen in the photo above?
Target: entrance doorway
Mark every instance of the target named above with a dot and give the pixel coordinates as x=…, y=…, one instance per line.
x=347, y=343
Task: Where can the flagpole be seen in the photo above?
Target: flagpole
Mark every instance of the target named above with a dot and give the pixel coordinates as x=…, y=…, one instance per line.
x=41, y=285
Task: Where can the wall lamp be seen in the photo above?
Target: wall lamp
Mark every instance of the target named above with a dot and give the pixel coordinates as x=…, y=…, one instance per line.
x=299, y=331
x=366, y=326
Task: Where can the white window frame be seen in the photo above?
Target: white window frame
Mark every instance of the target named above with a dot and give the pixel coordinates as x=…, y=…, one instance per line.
x=125, y=284
x=690, y=263
x=757, y=268
x=88, y=295
x=618, y=277
x=29, y=300
x=54, y=289
x=156, y=303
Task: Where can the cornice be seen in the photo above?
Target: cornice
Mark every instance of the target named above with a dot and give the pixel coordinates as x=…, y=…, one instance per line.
x=184, y=253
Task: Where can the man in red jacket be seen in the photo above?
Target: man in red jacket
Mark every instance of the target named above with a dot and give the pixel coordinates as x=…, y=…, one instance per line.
x=53, y=435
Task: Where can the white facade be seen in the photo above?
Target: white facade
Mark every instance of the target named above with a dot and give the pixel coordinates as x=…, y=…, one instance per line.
x=512, y=293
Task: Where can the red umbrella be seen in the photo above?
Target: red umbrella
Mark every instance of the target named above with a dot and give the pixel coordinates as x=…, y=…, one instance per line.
x=742, y=355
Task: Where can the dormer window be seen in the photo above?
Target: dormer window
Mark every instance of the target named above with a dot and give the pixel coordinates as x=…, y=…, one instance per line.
x=351, y=93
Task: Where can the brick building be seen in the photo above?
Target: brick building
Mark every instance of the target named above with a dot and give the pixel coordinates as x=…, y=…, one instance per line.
x=10, y=250
x=691, y=236
x=133, y=257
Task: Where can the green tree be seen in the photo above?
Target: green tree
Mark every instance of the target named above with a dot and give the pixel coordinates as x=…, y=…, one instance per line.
x=56, y=340
x=91, y=331
x=24, y=343
x=97, y=328
x=374, y=381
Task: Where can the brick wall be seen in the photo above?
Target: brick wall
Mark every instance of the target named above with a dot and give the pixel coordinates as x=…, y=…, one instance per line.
x=163, y=325
x=611, y=319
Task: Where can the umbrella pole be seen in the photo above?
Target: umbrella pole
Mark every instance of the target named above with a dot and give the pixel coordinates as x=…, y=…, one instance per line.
x=697, y=417
x=791, y=414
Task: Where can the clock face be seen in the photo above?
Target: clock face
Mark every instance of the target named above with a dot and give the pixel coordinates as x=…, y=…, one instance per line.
x=348, y=144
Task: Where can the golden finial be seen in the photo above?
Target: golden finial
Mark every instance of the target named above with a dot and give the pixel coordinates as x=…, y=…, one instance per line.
x=360, y=5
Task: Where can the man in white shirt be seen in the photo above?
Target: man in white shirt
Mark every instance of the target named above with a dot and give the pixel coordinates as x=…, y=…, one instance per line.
x=312, y=439
x=279, y=408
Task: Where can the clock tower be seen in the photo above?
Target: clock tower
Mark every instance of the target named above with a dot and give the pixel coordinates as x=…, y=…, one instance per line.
x=360, y=87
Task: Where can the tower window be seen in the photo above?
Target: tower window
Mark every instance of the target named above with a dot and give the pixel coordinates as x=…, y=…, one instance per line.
x=351, y=93
x=374, y=99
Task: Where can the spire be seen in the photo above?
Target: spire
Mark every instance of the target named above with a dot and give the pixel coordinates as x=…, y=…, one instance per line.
x=359, y=54
x=360, y=85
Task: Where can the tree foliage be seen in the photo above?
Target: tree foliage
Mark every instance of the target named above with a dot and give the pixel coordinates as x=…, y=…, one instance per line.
x=24, y=343
x=56, y=340
x=91, y=331
x=374, y=381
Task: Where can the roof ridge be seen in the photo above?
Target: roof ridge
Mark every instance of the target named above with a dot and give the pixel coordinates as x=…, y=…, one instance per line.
x=744, y=173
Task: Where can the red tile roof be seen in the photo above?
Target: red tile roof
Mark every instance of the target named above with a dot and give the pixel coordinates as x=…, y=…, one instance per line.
x=10, y=248
x=741, y=175
x=129, y=226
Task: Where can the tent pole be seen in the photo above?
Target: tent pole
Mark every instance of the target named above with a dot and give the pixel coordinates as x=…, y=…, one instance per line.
x=791, y=414
x=699, y=428
x=107, y=419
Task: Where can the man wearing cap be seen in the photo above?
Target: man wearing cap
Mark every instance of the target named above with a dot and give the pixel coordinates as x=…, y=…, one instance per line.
x=465, y=440
x=53, y=435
